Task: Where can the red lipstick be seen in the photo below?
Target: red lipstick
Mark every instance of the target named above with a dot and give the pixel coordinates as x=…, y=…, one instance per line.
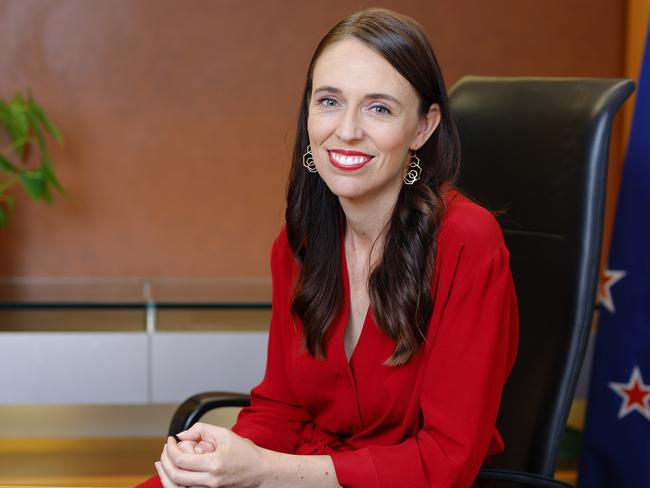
x=347, y=159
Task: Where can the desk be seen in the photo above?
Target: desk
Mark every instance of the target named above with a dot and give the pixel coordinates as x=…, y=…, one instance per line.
x=120, y=462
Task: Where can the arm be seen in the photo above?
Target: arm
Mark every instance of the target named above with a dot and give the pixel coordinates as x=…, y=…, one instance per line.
x=275, y=420
x=246, y=456
x=470, y=354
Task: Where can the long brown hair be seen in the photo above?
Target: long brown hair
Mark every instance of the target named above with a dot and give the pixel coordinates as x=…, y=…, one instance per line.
x=400, y=284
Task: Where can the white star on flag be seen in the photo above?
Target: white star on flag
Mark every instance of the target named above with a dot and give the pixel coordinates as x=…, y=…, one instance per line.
x=609, y=278
x=635, y=395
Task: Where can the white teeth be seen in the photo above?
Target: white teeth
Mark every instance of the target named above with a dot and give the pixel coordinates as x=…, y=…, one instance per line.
x=349, y=160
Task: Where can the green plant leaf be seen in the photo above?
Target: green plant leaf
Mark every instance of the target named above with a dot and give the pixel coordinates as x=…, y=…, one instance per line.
x=44, y=120
x=47, y=194
x=51, y=177
x=46, y=161
x=5, y=114
x=37, y=132
x=26, y=123
x=18, y=125
x=17, y=145
x=8, y=165
x=19, y=137
x=35, y=184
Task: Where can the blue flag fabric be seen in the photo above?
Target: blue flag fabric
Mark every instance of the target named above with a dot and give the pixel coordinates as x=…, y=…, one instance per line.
x=616, y=440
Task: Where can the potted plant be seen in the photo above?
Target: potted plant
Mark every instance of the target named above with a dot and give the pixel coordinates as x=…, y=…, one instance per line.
x=24, y=155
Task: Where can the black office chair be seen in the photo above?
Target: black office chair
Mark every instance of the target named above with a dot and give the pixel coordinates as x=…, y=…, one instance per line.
x=537, y=149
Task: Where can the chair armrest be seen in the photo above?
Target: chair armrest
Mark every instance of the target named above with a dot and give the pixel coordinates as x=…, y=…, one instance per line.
x=527, y=479
x=191, y=410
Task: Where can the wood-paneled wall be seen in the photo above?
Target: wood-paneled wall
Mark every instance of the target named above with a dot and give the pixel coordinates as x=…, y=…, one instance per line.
x=179, y=114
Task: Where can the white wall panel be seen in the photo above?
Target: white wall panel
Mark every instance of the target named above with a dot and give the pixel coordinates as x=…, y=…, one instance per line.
x=62, y=367
x=188, y=363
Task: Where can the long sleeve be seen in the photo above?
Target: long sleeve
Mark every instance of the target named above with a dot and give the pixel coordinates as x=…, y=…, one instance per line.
x=470, y=350
x=275, y=420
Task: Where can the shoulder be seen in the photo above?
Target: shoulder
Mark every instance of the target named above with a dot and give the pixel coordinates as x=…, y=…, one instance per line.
x=469, y=226
x=281, y=254
x=470, y=247
x=469, y=234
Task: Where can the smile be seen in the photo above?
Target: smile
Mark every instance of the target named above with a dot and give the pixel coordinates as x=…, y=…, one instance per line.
x=348, y=160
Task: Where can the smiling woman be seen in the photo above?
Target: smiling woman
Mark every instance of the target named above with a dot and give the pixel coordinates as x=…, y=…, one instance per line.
x=373, y=86
x=364, y=125
x=394, y=323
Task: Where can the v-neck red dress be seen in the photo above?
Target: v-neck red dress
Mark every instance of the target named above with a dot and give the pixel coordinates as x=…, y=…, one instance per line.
x=429, y=423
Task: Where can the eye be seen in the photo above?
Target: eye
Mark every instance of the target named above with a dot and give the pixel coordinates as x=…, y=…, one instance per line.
x=327, y=102
x=381, y=110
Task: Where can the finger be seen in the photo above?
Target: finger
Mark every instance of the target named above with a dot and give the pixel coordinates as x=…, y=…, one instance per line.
x=204, y=447
x=181, y=476
x=187, y=446
x=164, y=479
x=209, y=432
x=189, y=435
x=187, y=461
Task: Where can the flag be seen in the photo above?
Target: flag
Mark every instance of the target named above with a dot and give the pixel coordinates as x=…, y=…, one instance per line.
x=616, y=441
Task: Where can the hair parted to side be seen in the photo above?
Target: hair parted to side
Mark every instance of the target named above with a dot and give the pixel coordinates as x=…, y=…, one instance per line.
x=400, y=284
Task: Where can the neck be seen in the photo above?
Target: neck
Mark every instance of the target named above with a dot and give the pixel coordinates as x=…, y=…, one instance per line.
x=365, y=223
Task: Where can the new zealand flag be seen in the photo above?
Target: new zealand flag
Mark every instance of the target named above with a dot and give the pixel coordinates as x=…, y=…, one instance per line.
x=616, y=440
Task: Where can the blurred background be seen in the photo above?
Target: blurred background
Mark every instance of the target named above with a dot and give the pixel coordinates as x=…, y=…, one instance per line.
x=178, y=118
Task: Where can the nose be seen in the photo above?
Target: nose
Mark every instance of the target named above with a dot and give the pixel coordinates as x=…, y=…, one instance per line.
x=349, y=126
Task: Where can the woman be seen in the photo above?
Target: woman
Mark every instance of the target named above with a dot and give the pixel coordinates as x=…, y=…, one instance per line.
x=394, y=314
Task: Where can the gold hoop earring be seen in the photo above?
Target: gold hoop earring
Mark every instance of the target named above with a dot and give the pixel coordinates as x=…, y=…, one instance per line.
x=308, y=161
x=414, y=172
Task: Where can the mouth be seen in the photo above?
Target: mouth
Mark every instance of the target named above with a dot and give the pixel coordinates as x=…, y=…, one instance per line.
x=348, y=160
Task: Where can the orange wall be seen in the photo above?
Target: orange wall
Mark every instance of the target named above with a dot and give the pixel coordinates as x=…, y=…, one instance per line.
x=636, y=25
x=178, y=115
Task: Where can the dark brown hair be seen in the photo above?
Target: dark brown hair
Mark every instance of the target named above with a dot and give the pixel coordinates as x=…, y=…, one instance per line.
x=400, y=284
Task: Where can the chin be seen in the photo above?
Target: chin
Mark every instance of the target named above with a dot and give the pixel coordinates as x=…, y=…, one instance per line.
x=346, y=189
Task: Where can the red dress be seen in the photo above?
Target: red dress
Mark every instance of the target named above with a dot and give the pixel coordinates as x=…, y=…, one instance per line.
x=429, y=423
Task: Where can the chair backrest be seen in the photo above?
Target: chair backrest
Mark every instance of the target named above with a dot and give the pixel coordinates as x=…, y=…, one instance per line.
x=538, y=149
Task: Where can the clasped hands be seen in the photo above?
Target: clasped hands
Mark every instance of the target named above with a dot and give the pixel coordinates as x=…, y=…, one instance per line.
x=210, y=456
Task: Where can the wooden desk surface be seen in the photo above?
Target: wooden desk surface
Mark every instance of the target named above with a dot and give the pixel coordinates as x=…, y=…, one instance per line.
x=110, y=463
x=73, y=463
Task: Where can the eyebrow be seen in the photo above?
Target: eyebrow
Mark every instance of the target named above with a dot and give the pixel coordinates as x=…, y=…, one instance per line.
x=370, y=96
